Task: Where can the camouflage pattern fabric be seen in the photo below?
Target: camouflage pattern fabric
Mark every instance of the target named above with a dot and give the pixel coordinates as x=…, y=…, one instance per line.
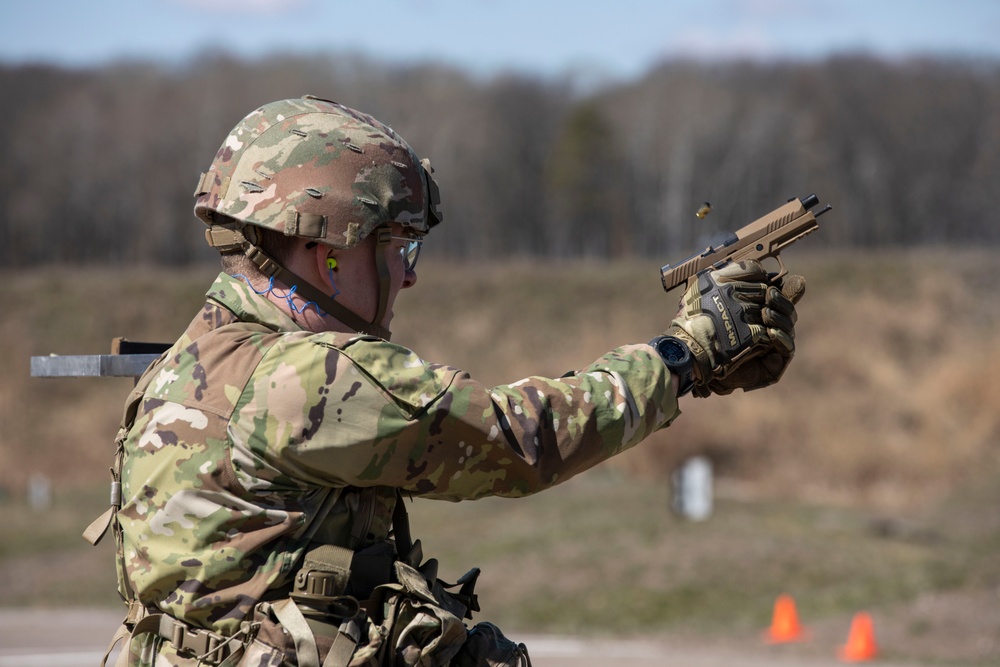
x=249, y=423
x=293, y=162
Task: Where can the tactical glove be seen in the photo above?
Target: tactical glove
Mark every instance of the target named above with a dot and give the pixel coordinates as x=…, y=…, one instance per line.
x=739, y=327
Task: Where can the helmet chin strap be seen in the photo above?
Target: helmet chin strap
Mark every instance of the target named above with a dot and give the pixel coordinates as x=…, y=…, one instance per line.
x=383, y=239
x=232, y=236
x=272, y=269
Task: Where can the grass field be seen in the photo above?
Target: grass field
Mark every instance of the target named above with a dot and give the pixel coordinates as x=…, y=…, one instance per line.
x=866, y=479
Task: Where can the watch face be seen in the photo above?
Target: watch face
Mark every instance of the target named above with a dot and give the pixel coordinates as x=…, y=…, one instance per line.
x=677, y=357
x=673, y=351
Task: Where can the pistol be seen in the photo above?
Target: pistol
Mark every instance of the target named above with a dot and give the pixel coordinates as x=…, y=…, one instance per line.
x=762, y=239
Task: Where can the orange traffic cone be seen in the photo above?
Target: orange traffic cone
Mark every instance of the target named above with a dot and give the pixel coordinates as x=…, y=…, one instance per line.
x=785, y=622
x=860, y=644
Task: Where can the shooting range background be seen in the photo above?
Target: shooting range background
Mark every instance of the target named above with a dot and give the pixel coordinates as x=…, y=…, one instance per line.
x=866, y=479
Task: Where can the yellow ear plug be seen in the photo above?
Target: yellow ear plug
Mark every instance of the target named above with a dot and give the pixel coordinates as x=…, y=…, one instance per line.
x=331, y=262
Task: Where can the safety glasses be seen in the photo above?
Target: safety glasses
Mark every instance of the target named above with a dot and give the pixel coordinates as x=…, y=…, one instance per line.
x=410, y=251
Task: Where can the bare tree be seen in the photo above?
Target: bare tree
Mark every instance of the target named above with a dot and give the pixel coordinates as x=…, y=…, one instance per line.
x=98, y=165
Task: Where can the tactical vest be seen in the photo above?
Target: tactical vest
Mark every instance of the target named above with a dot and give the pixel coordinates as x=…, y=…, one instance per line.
x=377, y=606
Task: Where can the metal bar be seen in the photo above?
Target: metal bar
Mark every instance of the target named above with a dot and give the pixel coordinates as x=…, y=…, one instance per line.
x=91, y=365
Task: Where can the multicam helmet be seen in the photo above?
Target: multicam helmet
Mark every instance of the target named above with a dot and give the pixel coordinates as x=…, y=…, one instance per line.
x=318, y=170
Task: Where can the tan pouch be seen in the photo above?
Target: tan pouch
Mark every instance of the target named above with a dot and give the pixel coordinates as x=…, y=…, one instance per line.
x=413, y=627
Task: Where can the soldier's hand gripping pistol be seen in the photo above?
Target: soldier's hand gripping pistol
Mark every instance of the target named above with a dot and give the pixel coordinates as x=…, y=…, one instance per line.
x=737, y=319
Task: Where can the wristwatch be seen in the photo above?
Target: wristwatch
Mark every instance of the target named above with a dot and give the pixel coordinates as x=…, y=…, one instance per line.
x=677, y=357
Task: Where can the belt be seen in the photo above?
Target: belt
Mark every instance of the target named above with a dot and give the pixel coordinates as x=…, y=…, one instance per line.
x=189, y=642
x=199, y=643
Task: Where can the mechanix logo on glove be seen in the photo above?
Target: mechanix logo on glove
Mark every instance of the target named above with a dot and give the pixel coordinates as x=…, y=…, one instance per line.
x=739, y=326
x=727, y=321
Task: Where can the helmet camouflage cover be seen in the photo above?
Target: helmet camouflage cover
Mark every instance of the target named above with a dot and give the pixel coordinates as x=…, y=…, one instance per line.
x=319, y=170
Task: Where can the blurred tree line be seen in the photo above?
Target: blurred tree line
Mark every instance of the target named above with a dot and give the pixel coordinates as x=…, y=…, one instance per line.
x=98, y=165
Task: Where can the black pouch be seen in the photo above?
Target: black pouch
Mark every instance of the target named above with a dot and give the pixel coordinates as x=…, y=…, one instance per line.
x=486, y=646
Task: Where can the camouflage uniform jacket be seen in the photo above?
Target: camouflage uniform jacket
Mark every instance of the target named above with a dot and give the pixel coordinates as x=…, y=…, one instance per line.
x=248, y=423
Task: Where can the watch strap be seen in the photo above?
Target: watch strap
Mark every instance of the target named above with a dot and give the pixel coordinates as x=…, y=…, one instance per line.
x=677, y=357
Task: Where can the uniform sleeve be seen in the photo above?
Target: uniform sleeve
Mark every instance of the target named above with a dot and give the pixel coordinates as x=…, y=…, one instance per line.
x=373, y=413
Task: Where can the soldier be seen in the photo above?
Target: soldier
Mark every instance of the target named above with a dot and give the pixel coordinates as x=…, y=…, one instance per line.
x=262, y=460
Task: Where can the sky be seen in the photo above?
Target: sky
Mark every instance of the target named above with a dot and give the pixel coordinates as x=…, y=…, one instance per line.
x=486, y=37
